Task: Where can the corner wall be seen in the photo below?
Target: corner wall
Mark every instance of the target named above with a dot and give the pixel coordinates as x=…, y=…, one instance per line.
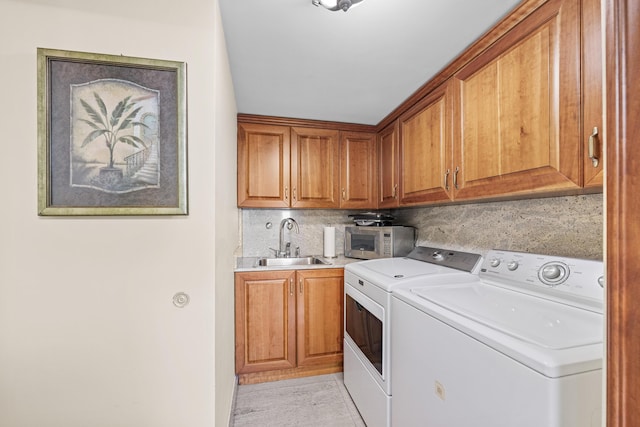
x=88, y=332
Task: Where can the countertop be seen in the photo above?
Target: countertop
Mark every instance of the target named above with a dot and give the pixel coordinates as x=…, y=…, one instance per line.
x=251, y=264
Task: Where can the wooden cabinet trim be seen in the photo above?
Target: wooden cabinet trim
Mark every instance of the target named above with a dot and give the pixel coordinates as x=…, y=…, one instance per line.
x=306, y=123
x=622, y=207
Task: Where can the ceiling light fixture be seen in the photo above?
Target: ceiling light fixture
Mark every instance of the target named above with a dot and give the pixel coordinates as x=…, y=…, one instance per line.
x=334, y=5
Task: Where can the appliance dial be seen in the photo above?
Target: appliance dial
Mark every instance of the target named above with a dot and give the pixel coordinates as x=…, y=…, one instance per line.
x=513, y=265
x=553, y=273
x=437, y=255
x=601, y=281
x=495, y=262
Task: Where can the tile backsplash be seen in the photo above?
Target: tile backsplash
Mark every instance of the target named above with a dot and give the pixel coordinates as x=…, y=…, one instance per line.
x=569, y=226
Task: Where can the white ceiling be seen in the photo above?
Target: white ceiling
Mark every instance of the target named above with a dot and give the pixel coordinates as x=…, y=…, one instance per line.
x=290, y=58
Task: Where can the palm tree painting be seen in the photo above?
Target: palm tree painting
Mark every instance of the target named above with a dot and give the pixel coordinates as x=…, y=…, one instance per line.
x=114, y=136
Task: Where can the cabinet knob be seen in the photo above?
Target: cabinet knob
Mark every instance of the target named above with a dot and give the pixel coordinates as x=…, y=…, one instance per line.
x=593, y=140
x=446, y=179
x=455, y=177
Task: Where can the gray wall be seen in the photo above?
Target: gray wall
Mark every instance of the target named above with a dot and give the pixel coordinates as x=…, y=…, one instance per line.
x=566, y=226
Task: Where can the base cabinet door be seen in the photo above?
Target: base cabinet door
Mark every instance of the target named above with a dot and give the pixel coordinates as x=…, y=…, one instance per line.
x=288, y=323
x=320, y=317
x=265, y=321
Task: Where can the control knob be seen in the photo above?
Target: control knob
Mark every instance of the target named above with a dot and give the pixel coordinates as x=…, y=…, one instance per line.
x=553, y=273
x=495, y=262
x=513, y=265
x=437, y=255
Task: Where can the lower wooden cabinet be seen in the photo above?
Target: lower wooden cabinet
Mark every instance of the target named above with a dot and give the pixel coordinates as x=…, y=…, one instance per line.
x=289, y=323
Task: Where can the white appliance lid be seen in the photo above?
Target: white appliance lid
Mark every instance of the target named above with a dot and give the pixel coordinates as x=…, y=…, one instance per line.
x=422, y=261
x=547, y=324
x=388, y=272
x=401, y=268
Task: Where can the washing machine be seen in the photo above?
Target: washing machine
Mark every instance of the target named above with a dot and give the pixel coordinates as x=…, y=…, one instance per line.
x=520, y=344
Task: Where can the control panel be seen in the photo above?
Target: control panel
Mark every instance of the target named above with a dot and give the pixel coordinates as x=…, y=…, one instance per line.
x=386, y=245
x=573, y=280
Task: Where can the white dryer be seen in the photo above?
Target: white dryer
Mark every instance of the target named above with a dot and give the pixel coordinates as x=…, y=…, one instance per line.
x=367, y=366
x=521, y=344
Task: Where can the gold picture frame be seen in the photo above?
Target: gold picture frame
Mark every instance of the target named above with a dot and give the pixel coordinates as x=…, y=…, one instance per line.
x=112, y=136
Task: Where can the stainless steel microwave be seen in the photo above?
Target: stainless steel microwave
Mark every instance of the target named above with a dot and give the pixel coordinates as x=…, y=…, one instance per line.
x=378, y=242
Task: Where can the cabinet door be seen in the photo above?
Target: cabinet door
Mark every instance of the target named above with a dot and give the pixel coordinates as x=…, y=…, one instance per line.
x=265, y=321
x=263, y=166
x=592, y=96
x=425, y=150
x=388, y=150
x=320, y=316
x=358, y=170
x=315, y=168
x=518, y=123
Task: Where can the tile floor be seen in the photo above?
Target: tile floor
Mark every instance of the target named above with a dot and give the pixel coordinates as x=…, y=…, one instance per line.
x=319, y=401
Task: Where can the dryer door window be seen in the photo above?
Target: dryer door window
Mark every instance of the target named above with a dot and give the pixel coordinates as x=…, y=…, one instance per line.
x=365, y=330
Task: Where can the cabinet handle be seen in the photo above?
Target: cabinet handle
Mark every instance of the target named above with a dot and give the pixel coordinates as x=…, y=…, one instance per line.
x=294, y=194
x=344, y=194
x=290, y=286
x=395, y=191
x=593, y=140
x=286, y=193
x=455, y=178
x=301, y=286
x=446, y=179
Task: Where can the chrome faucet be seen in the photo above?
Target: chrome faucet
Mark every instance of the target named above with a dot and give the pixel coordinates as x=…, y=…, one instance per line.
x=284, y=249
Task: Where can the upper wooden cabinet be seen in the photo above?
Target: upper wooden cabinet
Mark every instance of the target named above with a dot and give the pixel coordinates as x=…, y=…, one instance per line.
x=283, y=166
x=263, y=166
x=388, y=166
x=517, y=118
x=592, y=94
x=519, y=113
x=425, y=150
x=358, y=170
x=315, y=168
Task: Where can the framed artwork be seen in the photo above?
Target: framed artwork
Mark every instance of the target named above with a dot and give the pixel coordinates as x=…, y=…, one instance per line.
x=111, y=135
